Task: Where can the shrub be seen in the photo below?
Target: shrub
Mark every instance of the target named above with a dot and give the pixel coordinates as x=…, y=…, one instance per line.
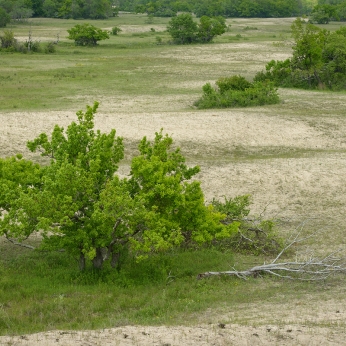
x=255, y=235
x=49, y=48
x=87, y=34
x=318, y=60
x=236, y=91
x=33, y=46
x=7, y=40
x=185, y=30
x=115, y=30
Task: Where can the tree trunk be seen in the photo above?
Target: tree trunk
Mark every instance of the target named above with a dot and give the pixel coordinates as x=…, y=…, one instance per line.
x=115, y=259
x=81, y=261
x=98, y=259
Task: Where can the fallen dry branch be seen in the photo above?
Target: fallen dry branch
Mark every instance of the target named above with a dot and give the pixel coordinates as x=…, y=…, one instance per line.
x=310, y=269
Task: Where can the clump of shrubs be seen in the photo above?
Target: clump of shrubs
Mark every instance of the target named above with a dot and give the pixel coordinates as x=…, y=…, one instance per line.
x=255, y=235
x=236, y=91
x=115, y=30
x=9, y=43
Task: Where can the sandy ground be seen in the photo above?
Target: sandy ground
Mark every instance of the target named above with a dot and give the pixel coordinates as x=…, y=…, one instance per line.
x=297, y=171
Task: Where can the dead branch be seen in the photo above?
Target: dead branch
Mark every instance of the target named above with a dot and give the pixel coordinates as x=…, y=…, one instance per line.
x=311, y=269
x=19, y=243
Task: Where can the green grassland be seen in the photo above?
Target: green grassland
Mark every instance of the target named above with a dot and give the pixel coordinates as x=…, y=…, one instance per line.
x=43, y=291
x=131, y=63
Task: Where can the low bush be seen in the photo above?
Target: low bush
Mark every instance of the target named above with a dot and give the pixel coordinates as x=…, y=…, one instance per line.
x=115, y=30
x=49, y=48
x=236, y=91
x=7, y=40
x=255, y=235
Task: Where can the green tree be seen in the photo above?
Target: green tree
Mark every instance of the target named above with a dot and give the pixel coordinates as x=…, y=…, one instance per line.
x=82, y=162
x=80, y=205
x=87, y=34
x=183, y=29
x=18, y=177
x=322, y=14
x=208, y=28
x=307, y=50
x=4, y=18
x=319, y=59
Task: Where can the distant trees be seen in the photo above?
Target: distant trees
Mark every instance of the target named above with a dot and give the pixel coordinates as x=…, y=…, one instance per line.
x=185, y=30
x=98, y=9
x=225, y=8
x=88, y=9
x=4, y=18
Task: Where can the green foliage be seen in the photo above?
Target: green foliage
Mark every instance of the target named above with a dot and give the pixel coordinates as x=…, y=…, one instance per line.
x=185, y=30
x=87, y=34
x=236, y=91
x=82, y=163
x=18, y=177
x=318, y=60
x=49, y=48
x=232, y=83
x=115, y=30
x=255, y=236
x=235, y=209
x=208, y=28
x=86, y=9
x=7, y=39
x=80, y=205
x=4, y=18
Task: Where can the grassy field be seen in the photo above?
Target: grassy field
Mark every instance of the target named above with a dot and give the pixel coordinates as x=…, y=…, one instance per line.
x=290, y=155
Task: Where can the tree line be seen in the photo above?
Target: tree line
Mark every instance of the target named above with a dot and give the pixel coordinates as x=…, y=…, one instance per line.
x=76, y=9
x=100, y=9
x=226, y=8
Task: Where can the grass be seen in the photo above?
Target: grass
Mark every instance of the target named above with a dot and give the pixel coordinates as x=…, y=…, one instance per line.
x=45, y=291
x=130, y=63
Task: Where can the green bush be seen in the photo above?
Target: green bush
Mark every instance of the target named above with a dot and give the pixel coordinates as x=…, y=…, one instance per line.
x=236, y=91
x=33, y=46
x=115, y=30
x=7, y=40
x=87, y=34
x=49, y=48
x=255, y=235
x=184, y=30
x=318, y=60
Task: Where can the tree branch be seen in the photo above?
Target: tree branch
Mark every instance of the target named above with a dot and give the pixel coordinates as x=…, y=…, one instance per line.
x=311, y=269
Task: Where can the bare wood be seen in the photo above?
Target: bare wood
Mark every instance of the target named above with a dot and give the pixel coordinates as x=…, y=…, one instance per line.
x=19, y=244
x=312, y=269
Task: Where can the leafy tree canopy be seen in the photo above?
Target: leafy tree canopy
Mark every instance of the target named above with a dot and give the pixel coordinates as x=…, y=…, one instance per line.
x=318, y=60
x=79, y=204
x=87, y=34
x=185, y=30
